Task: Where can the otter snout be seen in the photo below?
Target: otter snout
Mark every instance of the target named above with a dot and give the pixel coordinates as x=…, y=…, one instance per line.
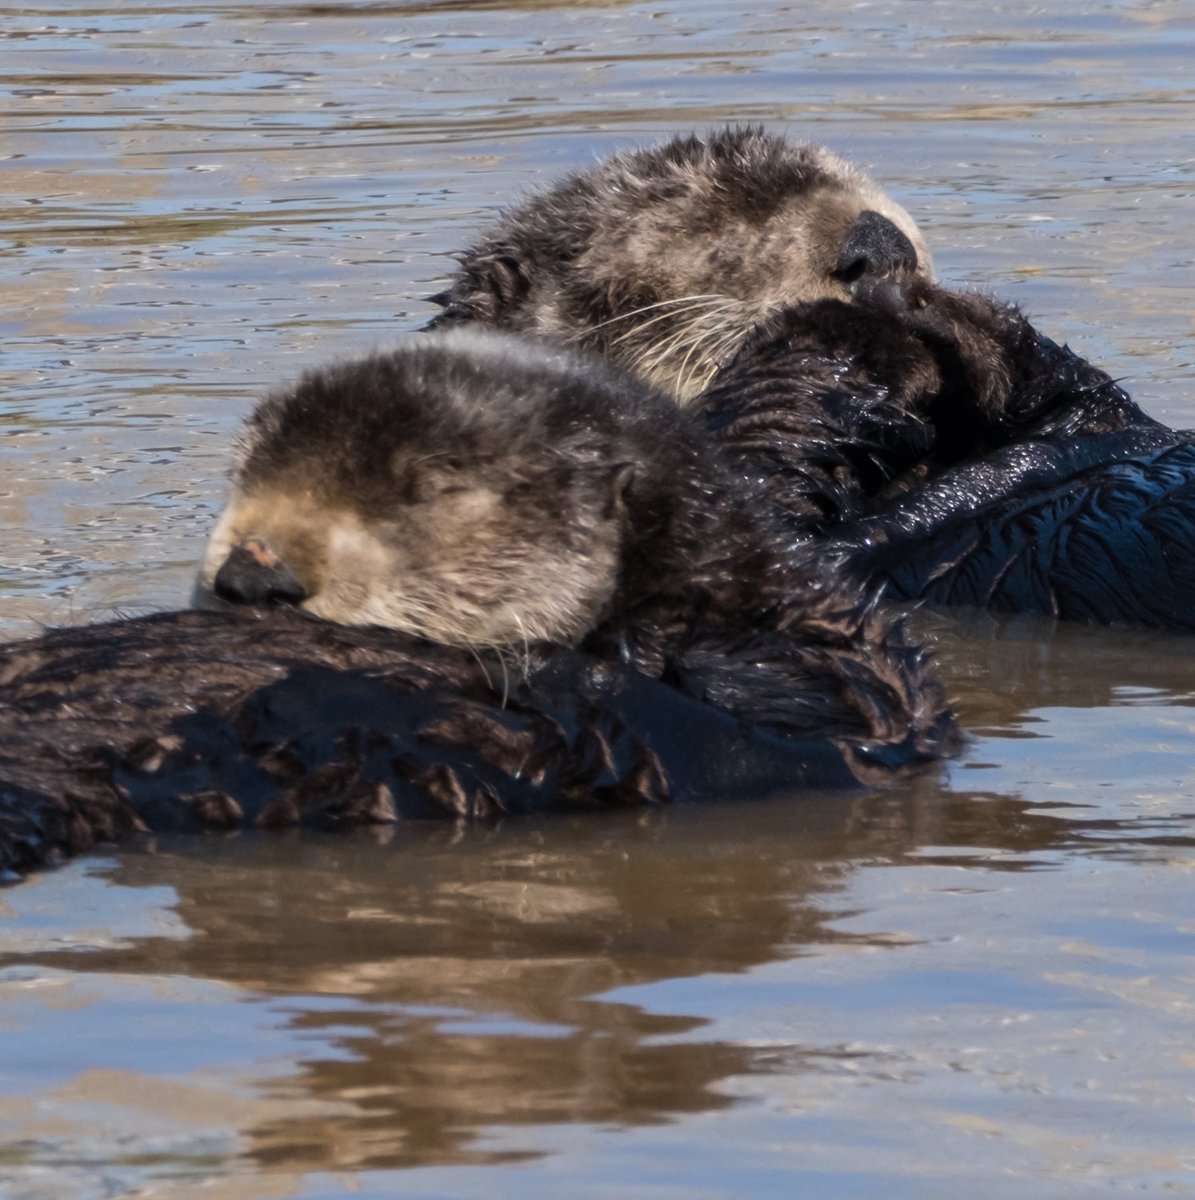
x=873, y=249
x=253, y=574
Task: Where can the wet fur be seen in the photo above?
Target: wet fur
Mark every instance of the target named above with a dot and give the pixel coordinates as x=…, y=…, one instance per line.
x=201, y=720
x=663, y=259
x=834, y=409
x=219, y=721
x=683, y=574
x=955, y=455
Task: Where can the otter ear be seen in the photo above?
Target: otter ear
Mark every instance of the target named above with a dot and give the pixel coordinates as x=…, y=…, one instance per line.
x=491, y=285
x=505, y=279
x=619, y=480
x=427, y=480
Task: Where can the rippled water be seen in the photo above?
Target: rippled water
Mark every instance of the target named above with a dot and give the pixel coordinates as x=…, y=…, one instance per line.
x=984, y=983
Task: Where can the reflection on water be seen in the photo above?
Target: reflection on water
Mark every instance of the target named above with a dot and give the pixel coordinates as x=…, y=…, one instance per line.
x=984, y=982
x=987, y=975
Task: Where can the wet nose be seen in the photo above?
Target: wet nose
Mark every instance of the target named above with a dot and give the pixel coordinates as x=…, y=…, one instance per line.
x=251, y=574
x=874, y=248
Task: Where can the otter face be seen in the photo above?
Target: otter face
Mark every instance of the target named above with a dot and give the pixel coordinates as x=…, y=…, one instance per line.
x=665, y=258
x=401, y=491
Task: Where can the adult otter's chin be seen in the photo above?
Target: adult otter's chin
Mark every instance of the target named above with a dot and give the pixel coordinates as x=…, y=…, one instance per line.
x=664, y=258
x=487, y=490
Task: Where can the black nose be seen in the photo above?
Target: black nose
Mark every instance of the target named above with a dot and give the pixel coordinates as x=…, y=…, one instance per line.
x=252, y=575
x=874, y=248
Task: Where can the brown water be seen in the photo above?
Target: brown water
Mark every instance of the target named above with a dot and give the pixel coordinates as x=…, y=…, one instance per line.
x=984, y=985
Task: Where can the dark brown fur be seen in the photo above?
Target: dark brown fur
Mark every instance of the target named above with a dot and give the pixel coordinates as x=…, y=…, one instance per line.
x=955, y=455
x=567, y=464
x=220, y=721
x=836, y=409
x=191, y=721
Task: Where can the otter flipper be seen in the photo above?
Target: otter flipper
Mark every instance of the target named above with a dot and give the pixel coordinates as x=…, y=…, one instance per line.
x=1109, y=541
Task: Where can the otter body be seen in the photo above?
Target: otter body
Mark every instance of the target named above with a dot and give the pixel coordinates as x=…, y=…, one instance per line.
x=664, y=259
x=768, y=283
x=486, y=490
x=955, y=455
x=196, y=721
x=583, y=508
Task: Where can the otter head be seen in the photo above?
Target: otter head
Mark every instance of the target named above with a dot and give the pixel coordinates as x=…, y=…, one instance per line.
x=469, y=488
x=664, y=259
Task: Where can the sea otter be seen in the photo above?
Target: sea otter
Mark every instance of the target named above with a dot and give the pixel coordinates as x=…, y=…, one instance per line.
x=483, y=489
x=665, y=258
x=251, y=718
x=776, y=288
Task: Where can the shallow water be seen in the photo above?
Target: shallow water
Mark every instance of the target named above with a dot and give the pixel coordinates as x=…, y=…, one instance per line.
x=984, y=982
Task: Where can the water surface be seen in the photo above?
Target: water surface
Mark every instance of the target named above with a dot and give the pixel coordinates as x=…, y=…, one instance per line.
x=983, y=983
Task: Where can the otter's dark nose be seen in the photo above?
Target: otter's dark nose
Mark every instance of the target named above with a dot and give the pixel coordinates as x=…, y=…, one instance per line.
x=251, y=574
x=874, y=248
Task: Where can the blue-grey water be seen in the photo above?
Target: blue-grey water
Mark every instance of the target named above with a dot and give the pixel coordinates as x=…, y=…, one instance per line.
x=981, y=985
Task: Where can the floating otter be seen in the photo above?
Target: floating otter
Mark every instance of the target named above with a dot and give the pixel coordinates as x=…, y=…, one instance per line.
x=957, y=456
x=193, y=721
x=487, y=490
x=581, y=507
x=685, y=261
x=664, y=259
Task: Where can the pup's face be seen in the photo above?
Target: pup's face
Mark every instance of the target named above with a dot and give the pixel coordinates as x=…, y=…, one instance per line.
x=460, y=556
x=373, y=494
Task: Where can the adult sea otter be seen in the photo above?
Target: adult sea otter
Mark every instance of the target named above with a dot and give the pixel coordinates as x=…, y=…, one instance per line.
x=776, y=288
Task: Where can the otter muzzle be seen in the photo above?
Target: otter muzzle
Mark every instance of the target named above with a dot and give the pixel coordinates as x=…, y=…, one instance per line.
x=252, y=574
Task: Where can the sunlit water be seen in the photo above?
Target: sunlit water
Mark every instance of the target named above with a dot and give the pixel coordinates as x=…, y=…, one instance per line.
x=984, y=985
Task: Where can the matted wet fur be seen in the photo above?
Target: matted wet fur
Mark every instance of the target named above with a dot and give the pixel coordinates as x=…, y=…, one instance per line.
x=220, y=721
x=836, y=408
x=957, y=456
x=486, y=490
x=664, y=258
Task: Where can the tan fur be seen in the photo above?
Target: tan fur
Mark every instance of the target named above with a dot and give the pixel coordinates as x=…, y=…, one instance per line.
x=663, y=259
x=459, y=577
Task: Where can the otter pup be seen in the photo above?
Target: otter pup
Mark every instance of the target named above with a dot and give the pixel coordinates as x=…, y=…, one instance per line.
x=581, y=506
x=487, y=490
x=663, y=259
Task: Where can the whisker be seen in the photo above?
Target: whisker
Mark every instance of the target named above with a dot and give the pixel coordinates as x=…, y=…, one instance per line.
x=635, y=312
